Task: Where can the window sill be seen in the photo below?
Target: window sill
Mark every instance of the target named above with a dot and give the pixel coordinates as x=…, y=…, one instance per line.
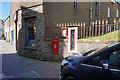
x=29, y=47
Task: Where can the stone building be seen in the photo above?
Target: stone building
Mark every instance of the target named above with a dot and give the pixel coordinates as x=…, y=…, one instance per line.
x=7, y=29
x=31, y=21
x=1, y=29
x=14, y=27
x=63, y=12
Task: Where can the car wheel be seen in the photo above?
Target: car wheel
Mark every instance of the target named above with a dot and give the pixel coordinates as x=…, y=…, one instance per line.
x=70, y=78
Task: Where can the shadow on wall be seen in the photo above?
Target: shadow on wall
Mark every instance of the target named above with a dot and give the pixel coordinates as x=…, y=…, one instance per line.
x=32, y=41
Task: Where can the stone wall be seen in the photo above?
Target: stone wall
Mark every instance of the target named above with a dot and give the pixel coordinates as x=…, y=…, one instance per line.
x=83, y=46
x=46, y=51
x=25, y=14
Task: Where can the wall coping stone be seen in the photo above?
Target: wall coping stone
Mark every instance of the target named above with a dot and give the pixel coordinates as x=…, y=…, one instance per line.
x=97, y=41
x=85, y=41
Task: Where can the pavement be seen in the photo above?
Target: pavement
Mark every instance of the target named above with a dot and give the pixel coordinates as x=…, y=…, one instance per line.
x=14, y=66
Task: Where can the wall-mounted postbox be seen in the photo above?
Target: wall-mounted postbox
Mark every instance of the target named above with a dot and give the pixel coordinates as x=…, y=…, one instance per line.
x=55, y=46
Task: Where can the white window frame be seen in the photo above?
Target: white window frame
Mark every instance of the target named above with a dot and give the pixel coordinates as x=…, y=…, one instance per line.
x=108, y=12
x=76, y=37
x=117, y=13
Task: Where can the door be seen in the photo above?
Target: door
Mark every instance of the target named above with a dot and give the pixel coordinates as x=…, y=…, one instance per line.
x=12, y=35
x=92, y=68
x=72, y=39
x=114, y=64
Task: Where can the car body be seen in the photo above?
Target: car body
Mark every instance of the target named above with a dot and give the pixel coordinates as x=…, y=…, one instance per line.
x=103, y=63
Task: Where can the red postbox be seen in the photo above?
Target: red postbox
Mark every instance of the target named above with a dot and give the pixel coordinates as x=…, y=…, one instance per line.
x=55, y=46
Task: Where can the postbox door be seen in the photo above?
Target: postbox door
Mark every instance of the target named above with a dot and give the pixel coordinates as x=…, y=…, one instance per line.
x=55, y=46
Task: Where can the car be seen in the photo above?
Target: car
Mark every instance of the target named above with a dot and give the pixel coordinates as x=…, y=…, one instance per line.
x=103, y=63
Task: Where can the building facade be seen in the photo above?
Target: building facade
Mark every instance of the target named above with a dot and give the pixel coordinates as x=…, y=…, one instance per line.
x=15, y=6
x=32, y=21
x=7, y=29
x=67, y=13
x=1, y=29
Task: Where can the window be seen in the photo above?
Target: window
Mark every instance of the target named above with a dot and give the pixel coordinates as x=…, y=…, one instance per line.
x=12, y=34
x=72, y=39
x=96, y=9
x=1, y=29
x=93, y=61
x=75, y=3
x=30, y=32
x=108, y=12
x=31, y=36
x=64, y=32
x=117, y=13
x=114, y=60
x=117, y=25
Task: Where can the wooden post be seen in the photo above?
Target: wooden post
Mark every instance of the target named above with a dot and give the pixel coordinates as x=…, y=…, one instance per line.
x=95, y=28
x=84, y=29
x=92, y=29
x=76, y=24
x=99, y=29
x=60, y=25
x=73, y=24
x=81, y=30
x=114, y=27
x=67, y=24
x=70, y=24
x=119, y=30
x=57, y=24
x=102, y=27
x=89, y=30
x=106, y=28
x=110, y=32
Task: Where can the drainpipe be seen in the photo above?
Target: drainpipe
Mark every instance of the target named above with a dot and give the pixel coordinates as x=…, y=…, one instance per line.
x=99, y=10
x=90, y=13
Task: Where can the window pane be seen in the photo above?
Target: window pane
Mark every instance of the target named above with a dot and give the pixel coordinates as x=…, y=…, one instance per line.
x=93, y=61
x=114, y=60
x=72, y=39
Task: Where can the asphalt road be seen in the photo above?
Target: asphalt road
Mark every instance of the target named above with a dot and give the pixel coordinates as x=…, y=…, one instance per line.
x=15, y=66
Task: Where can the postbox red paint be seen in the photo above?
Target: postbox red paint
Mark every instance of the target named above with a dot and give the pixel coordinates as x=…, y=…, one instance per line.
x=55, y=46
